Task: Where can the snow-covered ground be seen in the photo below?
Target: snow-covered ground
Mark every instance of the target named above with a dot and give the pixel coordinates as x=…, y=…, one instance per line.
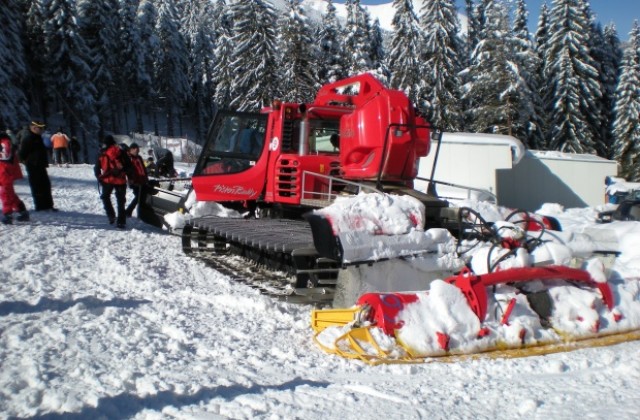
x=103, y=323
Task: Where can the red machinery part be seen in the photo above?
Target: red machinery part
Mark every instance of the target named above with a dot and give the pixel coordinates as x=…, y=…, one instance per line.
x=474, y=286
x=384, y=308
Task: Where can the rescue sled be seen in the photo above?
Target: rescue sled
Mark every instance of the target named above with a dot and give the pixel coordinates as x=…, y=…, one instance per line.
x=469, y=315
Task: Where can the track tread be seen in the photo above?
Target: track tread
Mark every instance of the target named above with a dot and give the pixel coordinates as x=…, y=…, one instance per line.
x=267, y=245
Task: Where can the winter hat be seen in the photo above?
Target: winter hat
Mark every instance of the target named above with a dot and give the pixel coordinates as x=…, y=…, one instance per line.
x=109, y=140
x=38, y=123
x=134, y=146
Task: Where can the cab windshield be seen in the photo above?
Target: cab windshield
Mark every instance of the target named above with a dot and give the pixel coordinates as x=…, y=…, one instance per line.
x=235, y=143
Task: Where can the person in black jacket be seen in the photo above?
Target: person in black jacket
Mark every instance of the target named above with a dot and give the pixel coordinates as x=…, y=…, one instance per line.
x=74, y=149
x=33, y=154
x=164, y=165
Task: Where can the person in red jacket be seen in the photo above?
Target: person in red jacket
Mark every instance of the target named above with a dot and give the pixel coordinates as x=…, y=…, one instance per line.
x=9, y=172
x=111, y=173
x=138, y=179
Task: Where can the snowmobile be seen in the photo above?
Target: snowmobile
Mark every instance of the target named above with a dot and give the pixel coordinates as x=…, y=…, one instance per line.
x=628, y=209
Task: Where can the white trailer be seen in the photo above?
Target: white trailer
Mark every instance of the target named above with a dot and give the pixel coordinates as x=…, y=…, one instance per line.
x=500, y=165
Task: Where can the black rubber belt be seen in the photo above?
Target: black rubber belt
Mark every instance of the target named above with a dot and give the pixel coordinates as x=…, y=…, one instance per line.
x=279, y=235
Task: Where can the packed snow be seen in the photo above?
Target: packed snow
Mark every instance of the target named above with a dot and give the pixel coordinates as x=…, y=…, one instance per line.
x=97, y=322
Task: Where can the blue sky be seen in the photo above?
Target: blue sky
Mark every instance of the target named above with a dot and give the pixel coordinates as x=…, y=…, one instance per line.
x=621, y=12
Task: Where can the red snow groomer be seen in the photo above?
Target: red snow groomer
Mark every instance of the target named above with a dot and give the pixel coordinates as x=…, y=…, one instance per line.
x=275, y=165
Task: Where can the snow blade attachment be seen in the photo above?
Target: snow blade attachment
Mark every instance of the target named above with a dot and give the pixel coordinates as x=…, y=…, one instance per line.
x=325, y=242
x=459, y=317
x=163, y=197
x=355, y=247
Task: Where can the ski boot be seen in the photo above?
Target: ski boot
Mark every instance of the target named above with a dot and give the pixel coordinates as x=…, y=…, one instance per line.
x=7, y=219
x=23, y=217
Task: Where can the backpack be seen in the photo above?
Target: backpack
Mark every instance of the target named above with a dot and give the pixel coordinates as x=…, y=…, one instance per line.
x=109, y=166
x=112, y=163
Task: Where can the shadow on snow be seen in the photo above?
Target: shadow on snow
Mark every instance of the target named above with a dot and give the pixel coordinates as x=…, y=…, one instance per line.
x=126, y=405
x=47, y=304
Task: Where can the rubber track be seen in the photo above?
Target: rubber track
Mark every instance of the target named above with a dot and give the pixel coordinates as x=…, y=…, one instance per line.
x=276, y=237
x=269, y=283
x=273, y=235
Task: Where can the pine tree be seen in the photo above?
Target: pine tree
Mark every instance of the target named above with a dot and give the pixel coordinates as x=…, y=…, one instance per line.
x=68, y=75
x=299, y=78
x=609, y=54
x=171, y=62
x=254, y=56
x=473, y=27
x=199, y=31
x=36, y=58
x=542, y=44
x=133, y=76
x=223, y=75
x=530, y=125
x=100, y=29
x=378, y=55
x=331, y=59
x=495, y=90
x=12, y=74
x=475, y=24
x=149, y=44
x=572, y=77
x=542, y=32
x=599, y=118
x=626, y=129
x=404, y=54
x=442, y=63
x=357, y=41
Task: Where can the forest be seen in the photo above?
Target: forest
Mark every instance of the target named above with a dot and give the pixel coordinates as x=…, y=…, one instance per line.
x=165, y=66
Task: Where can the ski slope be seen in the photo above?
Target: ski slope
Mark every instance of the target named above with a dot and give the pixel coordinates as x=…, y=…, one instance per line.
x=97, y=322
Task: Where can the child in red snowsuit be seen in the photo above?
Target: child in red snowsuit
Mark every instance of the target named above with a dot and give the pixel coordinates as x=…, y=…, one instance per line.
x=9, y=172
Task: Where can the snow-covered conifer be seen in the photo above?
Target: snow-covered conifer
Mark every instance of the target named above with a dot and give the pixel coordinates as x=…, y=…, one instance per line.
x=378, y=55
x=14, y=110
x=199, y=31
x=298, y=73
x=357, y=41
x=572, y=78
x=223, y=74
x=100, y=28
x=530, y=125
x=495, y=91
x=68, y=67
x=608, y=53
x=171, y=62
x=405, y=54
x=442, y=63
x=254, y=54
x=133, y=77
x=331, y=60
x=626, y=129
x=542, y=43
x=475, y=23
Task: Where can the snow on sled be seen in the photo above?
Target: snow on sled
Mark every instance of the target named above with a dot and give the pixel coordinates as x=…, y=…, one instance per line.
x=457, y=316
x=526, y=287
